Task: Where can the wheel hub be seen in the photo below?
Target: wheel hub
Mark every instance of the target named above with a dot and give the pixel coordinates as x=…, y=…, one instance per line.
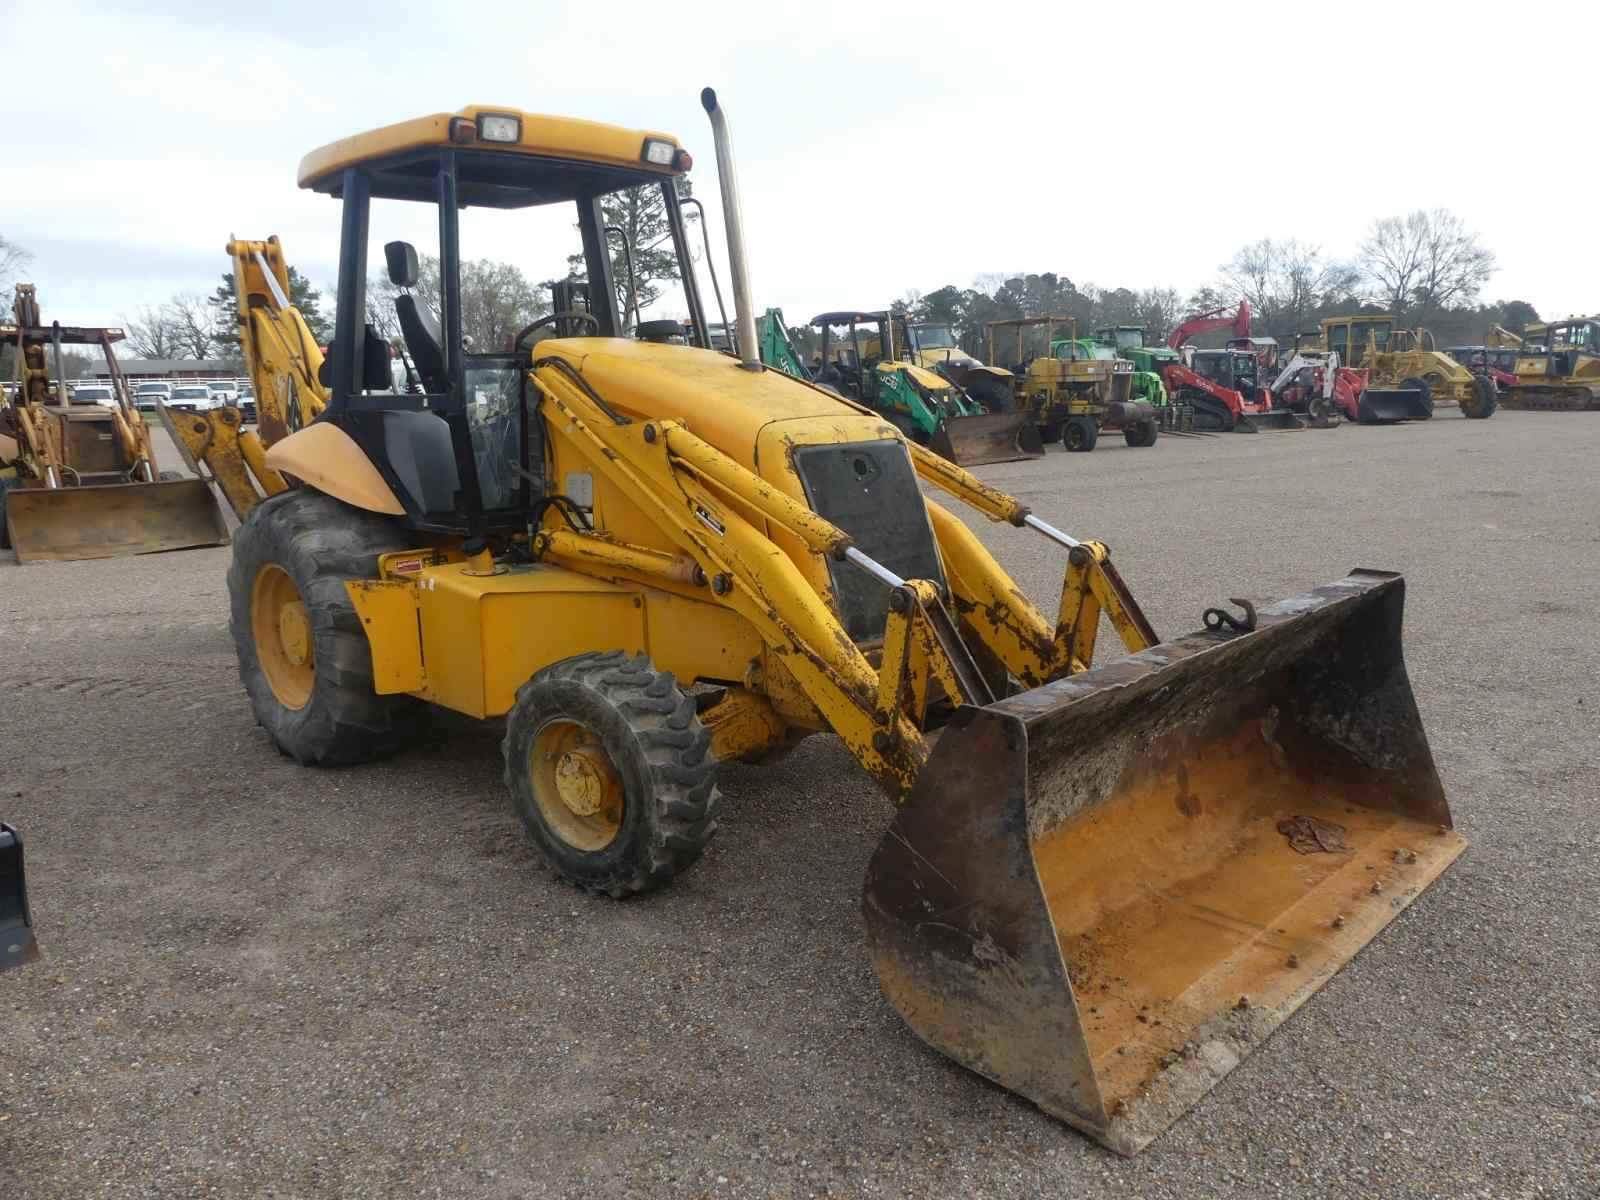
x=280, y=630
x=580, y=794
x=580, y=782
x=294, y=632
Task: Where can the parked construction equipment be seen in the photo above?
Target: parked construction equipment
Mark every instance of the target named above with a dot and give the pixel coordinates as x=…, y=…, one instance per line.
x=1132, y=343
x=1406, y=376
x=933, y=345
x=1069, y=392
x=1557, y=366
x=867, y=363
x=1226, y=387
x=777, y=346
x=1103, y=888
x=79, y=480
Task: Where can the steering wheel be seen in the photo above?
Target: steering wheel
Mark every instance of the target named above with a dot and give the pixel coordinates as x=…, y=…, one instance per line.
x=569, y=315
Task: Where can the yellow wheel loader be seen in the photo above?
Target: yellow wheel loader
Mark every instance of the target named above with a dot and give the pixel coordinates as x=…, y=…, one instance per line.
x=79, y=480
x=1104, y=886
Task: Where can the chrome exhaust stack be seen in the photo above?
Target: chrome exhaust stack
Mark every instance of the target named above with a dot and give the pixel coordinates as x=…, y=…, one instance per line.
x=744, y=312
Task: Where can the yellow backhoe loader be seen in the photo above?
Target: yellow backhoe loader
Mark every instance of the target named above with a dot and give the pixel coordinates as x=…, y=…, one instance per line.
x=1104, y=886
x=79, y=480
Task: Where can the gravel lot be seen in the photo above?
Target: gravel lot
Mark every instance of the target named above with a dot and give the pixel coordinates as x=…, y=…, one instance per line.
x=263, y=980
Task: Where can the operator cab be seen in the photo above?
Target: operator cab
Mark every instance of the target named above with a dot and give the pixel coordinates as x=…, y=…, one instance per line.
x=430, y=378
x=1236, y=370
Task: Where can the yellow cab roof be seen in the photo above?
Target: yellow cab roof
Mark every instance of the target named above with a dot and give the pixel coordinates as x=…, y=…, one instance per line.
x=613, y=149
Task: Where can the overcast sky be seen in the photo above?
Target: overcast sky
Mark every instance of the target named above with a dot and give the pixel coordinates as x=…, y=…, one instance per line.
x=881, y=148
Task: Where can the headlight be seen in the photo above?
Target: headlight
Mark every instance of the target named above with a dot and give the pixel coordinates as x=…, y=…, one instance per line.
x=659, y=153
x=497, y=127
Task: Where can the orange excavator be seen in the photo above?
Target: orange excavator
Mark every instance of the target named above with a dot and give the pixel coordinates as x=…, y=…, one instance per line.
x=1225, y=387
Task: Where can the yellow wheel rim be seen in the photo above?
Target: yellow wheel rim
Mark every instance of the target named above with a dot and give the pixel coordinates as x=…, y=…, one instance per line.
x=281, y=630
x=576, y=786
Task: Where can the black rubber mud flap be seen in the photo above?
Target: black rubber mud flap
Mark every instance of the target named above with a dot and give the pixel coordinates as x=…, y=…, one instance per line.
x=17, y=944
x=1105, y=893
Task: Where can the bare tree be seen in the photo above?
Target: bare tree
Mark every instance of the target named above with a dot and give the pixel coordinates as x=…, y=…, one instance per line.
x=153, y=333
x=1425, y=261
x=1287, y=283
x=1159, y=310
x=13, y=258
x=497, y=300
x=194, y=324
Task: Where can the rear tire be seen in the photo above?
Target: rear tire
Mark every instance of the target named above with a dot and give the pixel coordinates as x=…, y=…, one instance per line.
x=1080, y=434
x=1485, y=399
x=633, y=740
x=303, y=657
x=1140, y=435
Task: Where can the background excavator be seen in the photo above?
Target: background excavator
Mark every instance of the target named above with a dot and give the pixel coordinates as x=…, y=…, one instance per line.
x=1226, y=388
x=80, y=480
x=1104, y=886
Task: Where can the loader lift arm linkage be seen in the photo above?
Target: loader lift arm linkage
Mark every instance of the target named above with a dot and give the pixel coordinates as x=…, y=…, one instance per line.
x=878, y=714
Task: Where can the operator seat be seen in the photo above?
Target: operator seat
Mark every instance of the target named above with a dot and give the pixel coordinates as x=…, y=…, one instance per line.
x=417, y=325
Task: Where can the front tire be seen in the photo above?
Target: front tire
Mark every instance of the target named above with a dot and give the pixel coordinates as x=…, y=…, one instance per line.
x=1080, y=434
x=1426, y=388
x=611, y=772
x=303, y=657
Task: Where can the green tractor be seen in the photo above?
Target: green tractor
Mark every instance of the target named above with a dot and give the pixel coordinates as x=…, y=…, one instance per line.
x=859, y=358
x=1130, y=342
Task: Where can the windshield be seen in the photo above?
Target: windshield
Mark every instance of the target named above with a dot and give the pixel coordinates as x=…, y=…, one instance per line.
x=1130, y=339
x=933, y=337
x=93, y=393
x=190, y=393
x=152, y=388
x=1573, y=337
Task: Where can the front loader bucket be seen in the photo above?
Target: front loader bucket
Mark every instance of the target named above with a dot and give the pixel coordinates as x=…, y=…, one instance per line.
x=987, y=438
x=1104, y=893
x=1274, y=421
x=1383, y=405
x=50, y=524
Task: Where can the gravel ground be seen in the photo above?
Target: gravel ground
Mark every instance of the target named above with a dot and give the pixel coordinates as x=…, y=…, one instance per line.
x=263, y=980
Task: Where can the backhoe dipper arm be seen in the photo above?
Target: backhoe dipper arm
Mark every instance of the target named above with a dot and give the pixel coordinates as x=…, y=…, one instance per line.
x=1218, y=318
x=283, y=359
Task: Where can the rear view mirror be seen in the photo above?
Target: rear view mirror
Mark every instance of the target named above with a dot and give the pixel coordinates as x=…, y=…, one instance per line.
x=401, y=258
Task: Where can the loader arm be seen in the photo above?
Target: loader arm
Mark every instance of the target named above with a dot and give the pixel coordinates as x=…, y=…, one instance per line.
x=283, y=359
x=711, y=506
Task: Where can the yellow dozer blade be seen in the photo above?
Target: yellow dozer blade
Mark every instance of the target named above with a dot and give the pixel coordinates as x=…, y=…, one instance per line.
x=987, y=438
x=1106, y=892
x=52, y=524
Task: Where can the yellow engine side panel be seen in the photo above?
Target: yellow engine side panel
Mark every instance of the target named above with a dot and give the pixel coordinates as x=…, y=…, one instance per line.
x=468, y=642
